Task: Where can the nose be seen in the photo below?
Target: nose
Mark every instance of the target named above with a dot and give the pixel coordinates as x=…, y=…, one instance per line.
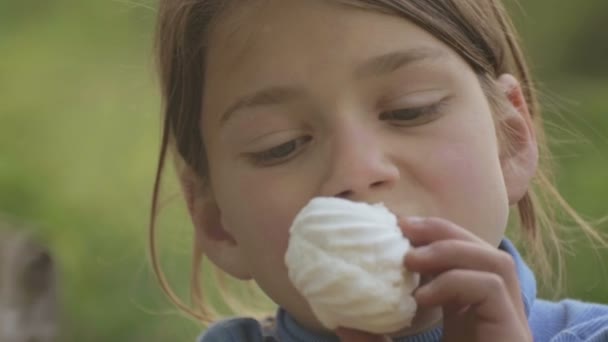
x=359, y=165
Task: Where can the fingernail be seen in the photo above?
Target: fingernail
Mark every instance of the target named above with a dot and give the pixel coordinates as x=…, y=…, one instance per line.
x=415, y=221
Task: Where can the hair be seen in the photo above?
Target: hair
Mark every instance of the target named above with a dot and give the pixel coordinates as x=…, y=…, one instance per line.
x=480, y=31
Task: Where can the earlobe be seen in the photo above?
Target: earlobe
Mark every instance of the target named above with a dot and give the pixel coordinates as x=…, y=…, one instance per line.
x=519, y=153
x=216, y=242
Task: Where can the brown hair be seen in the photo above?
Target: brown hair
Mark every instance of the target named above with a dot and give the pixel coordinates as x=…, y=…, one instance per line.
x=480, y=31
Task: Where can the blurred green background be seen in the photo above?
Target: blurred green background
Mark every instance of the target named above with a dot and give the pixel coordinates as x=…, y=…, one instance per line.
x=79, y=135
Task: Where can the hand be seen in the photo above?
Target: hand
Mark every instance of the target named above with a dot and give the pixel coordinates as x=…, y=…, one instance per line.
x=474, y=283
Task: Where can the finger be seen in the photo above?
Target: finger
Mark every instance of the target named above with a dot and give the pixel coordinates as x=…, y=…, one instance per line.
x=422, y=231
x=485, y=294
x=461, y=252
x=351, y=335
x=444, y=255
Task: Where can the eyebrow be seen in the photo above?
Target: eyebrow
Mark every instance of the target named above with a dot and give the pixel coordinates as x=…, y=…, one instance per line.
x=393, y=61
x=265, y=97
x=376, y=66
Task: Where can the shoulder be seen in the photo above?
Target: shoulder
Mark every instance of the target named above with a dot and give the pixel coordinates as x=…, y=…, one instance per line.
x=569, y=320
x=234, y=330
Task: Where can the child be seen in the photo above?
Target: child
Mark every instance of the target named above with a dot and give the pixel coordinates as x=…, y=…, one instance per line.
x=426, y=106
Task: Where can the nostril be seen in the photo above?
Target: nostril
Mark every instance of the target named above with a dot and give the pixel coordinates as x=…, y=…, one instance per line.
x=345, y=194
x=350, y=193
x=377, y=184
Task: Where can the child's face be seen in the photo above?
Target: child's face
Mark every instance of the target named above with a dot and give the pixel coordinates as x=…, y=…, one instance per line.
x=309, y=98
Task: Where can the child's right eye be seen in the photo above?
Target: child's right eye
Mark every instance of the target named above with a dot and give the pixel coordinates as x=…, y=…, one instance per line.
x=279, y=153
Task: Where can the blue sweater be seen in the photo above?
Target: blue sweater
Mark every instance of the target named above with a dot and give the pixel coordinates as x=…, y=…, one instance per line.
x=565, y=321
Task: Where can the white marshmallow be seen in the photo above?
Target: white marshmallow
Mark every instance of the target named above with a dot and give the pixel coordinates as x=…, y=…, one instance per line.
x=346, y=259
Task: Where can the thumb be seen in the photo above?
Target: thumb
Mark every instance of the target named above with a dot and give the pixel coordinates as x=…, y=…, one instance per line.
x=351, y=335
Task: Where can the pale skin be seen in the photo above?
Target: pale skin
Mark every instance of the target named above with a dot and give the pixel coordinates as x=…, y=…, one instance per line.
x=308, y=98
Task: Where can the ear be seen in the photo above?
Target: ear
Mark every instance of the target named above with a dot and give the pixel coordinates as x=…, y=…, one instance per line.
x=215, y=241
x=519, y=154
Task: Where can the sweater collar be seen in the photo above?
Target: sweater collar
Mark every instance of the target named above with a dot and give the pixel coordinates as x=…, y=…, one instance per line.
x=289, y=330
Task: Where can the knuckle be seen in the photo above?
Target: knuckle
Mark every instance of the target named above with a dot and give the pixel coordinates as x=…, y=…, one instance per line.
x=494, y=282
x=505, y=263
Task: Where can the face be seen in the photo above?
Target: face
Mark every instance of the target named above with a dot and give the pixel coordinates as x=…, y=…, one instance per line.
x=311, y=98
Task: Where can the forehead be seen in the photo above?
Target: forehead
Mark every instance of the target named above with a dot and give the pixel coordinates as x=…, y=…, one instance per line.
x=277, y=42
x=266, y=30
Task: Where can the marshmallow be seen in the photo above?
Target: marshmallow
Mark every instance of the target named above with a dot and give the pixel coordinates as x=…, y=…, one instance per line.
x=346, y=259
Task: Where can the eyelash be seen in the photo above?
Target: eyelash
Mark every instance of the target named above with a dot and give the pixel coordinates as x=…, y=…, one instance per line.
x=279, y=153
x=425, y=113
x=283, y=152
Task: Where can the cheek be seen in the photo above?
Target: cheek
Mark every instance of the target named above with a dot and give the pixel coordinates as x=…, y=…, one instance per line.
x=258, y=210
x=460, y=170
x=465, y=179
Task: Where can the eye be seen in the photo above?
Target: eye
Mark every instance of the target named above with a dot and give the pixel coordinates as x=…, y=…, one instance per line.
x=413, y=116
x=280, y=153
